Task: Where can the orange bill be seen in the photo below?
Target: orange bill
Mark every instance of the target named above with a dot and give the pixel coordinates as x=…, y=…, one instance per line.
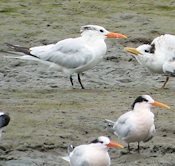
x=115, y=35
x=158, y=104
x=113, y=144
x=132, y=51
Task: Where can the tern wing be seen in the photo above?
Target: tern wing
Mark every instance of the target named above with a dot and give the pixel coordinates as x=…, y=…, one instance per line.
x=165, y=46
x=109, y=125
x=169, y=68
x=150, y=134
x=68, y=53
x=122, y=127
x=77, y=156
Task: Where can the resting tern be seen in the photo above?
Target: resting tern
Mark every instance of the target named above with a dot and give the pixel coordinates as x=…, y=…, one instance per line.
x=4, y=121
x=93, y=154
x=72, y=55
x=159, y=56
x=138, y=124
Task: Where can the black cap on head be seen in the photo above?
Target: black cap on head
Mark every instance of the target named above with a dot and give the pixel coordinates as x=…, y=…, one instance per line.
x=4, y=120
x=95, y=141
x=152, y=49
x=138, y=100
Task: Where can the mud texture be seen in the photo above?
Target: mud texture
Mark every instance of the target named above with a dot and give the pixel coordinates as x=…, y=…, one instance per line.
x=47, y=114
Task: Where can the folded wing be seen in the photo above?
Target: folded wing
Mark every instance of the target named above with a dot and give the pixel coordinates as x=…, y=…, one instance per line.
x=69, y=53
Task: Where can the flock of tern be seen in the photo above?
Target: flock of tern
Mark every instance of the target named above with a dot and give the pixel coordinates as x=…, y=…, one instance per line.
x=77, y=55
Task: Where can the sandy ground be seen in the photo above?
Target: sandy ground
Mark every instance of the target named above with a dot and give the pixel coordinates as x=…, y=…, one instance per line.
x=47, y=114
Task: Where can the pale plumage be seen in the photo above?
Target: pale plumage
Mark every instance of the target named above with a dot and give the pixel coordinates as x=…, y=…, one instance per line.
x=93, y=154
x=159, y=56
x=138, y=124
x=73, y=55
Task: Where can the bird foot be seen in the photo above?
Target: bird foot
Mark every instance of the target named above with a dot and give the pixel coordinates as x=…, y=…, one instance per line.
x=125, y=152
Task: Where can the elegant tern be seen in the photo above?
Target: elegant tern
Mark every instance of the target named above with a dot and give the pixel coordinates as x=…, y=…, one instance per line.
x=72, y=55
x=4, y=121
x=138, y=124
x=159, y=56
x=93, y=154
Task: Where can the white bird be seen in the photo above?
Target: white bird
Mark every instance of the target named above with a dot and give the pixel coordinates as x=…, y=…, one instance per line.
x=4, y=121
x=72, y=55
x=138, y=124
x=93, y=154
x=159, y=56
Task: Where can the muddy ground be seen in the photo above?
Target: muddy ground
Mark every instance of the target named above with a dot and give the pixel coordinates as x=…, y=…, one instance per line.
x=47, y=114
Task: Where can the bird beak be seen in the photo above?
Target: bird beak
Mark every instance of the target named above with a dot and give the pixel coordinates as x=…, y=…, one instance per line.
x=113, y=144
x=132, y=50
x=158, y=104
x=115, y=35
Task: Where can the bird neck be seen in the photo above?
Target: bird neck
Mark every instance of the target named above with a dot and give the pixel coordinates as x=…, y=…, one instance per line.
x=142, y=107
x=99, y=146
x=144, y=59
x=92, y=36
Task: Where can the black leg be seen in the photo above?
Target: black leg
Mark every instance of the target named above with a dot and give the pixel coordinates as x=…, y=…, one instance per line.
x=129, y=148
x=79, y=80
x=167, y=79
x=71, y=80
x=138, y=147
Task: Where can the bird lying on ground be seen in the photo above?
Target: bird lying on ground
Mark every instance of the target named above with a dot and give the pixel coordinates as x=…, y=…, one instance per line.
x=93, y=154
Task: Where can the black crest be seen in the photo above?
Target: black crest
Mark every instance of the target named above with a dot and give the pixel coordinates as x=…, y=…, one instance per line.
x=138, y=100
x=152, y=49
x=84, y=28
x=96, y=141
x=4, y=120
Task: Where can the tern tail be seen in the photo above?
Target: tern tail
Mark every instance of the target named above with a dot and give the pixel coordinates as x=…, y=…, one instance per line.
x=24, y=50
x=109, y=125
x=70, y=148
x=66, y=158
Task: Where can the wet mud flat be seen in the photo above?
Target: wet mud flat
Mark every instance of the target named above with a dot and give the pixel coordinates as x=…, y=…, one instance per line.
x=47, y=114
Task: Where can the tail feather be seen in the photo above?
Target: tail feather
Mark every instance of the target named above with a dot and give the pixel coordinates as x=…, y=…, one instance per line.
x=70, y=148
x=109, y=122
x=66, y=158
x=17, y=48
x=109, y=125
x=24, y=50
x=25, y=54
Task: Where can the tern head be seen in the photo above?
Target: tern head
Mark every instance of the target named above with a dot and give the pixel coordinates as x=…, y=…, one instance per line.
x=98, y=31
x=142, y=50
x=147, y=101
x=105, y=141
x=4, y=119
x=145, y=55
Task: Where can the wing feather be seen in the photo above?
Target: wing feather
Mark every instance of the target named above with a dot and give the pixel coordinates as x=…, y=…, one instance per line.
x=169, y=68
x=69, y=53
x=122, y=127
x=165, y=46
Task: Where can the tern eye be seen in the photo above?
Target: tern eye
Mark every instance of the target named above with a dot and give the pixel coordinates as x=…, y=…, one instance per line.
x=146, y=51
x=101, y=30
